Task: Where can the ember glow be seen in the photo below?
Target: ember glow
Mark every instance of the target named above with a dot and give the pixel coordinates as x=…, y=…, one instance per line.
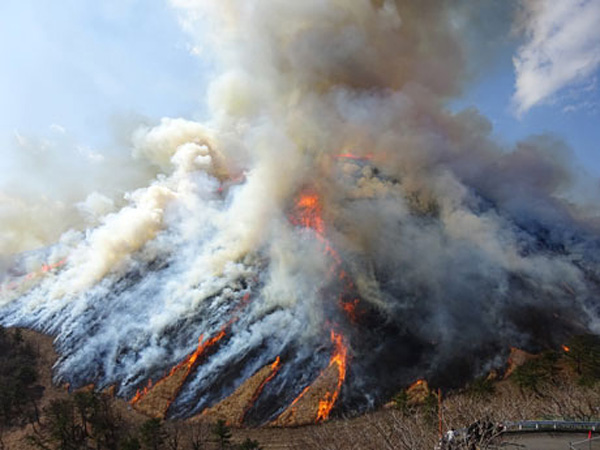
x=353, y=156
x=416, y=384
x=43, y=270
x=350, y=308
x=308, y=213
x=333, y=228
x=56, y=265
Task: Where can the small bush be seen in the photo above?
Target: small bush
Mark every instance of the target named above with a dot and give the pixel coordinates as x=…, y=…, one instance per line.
x=18, y=374
x=401, y=402
x=249, y=444
x=481, y=388
x=152, y=434
x=584, y=357
x=537, y=372
x=222, y=434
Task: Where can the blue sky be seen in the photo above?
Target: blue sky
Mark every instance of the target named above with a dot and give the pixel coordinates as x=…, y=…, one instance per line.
x=79, y=68
x=573, y=114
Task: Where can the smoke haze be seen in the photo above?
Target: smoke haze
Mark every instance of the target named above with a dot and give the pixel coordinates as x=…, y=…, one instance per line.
x=453, y=247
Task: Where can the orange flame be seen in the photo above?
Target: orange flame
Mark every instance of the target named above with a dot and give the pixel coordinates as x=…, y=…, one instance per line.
x=351, y=309
x=49, y=267
x=187, y=364
x=309, y=212
x=139, y=394
x=202, y=346
x=304, y=391
x=190, y=362
x=32, y=275
x=349, y=155
x=274, y=370
x=415, y=384
x=566, y=349
x=339, y=358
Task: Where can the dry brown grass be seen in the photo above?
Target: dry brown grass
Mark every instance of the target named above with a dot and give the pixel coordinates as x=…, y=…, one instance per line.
x=411, y=428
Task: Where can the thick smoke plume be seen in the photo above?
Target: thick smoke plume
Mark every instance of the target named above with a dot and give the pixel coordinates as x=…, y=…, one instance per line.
x=330, y=189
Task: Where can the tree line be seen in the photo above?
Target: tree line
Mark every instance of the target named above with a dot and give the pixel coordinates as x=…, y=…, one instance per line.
x=87, y=420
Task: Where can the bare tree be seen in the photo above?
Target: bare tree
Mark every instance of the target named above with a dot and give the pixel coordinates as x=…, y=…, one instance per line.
x=173, y=435
x=198, y=436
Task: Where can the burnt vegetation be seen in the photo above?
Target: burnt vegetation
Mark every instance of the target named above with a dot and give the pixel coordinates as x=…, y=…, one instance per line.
x=559, y=384
x=86, y=419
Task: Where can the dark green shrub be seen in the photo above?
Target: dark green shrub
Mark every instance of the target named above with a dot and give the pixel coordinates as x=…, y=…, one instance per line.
x=250, y=444
x=537, y=372
x=152, y=434
x=130, y=443
x=481, y=388
x=400, y=401
x=584, y=357
x=222, y=434
x=18, y=374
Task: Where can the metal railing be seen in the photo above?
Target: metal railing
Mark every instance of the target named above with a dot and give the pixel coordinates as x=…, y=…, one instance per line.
x=465, y=435
x=551, y=425
x=586, y=444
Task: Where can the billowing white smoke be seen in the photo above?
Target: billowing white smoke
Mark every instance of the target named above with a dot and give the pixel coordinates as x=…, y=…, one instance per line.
x=450, y=239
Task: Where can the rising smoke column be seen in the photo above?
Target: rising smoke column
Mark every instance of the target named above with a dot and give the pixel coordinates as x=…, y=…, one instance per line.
x=431, y=250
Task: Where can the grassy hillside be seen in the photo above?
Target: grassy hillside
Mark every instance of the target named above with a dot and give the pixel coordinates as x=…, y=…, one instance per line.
x=35, y=414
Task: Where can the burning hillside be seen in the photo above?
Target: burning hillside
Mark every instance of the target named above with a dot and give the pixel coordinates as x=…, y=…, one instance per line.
x=331, y=234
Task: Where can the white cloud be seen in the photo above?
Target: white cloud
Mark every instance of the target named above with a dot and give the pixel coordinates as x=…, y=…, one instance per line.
x=58, y=128
x=562, y=48
x=90, y=155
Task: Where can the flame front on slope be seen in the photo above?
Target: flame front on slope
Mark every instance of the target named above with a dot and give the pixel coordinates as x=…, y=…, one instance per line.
x=154, y=400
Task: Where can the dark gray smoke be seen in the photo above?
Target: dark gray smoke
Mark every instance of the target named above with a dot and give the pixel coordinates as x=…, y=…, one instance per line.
x=449, y=247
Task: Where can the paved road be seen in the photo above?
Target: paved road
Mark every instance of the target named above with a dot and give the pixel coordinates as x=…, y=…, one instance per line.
x=548, y=441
